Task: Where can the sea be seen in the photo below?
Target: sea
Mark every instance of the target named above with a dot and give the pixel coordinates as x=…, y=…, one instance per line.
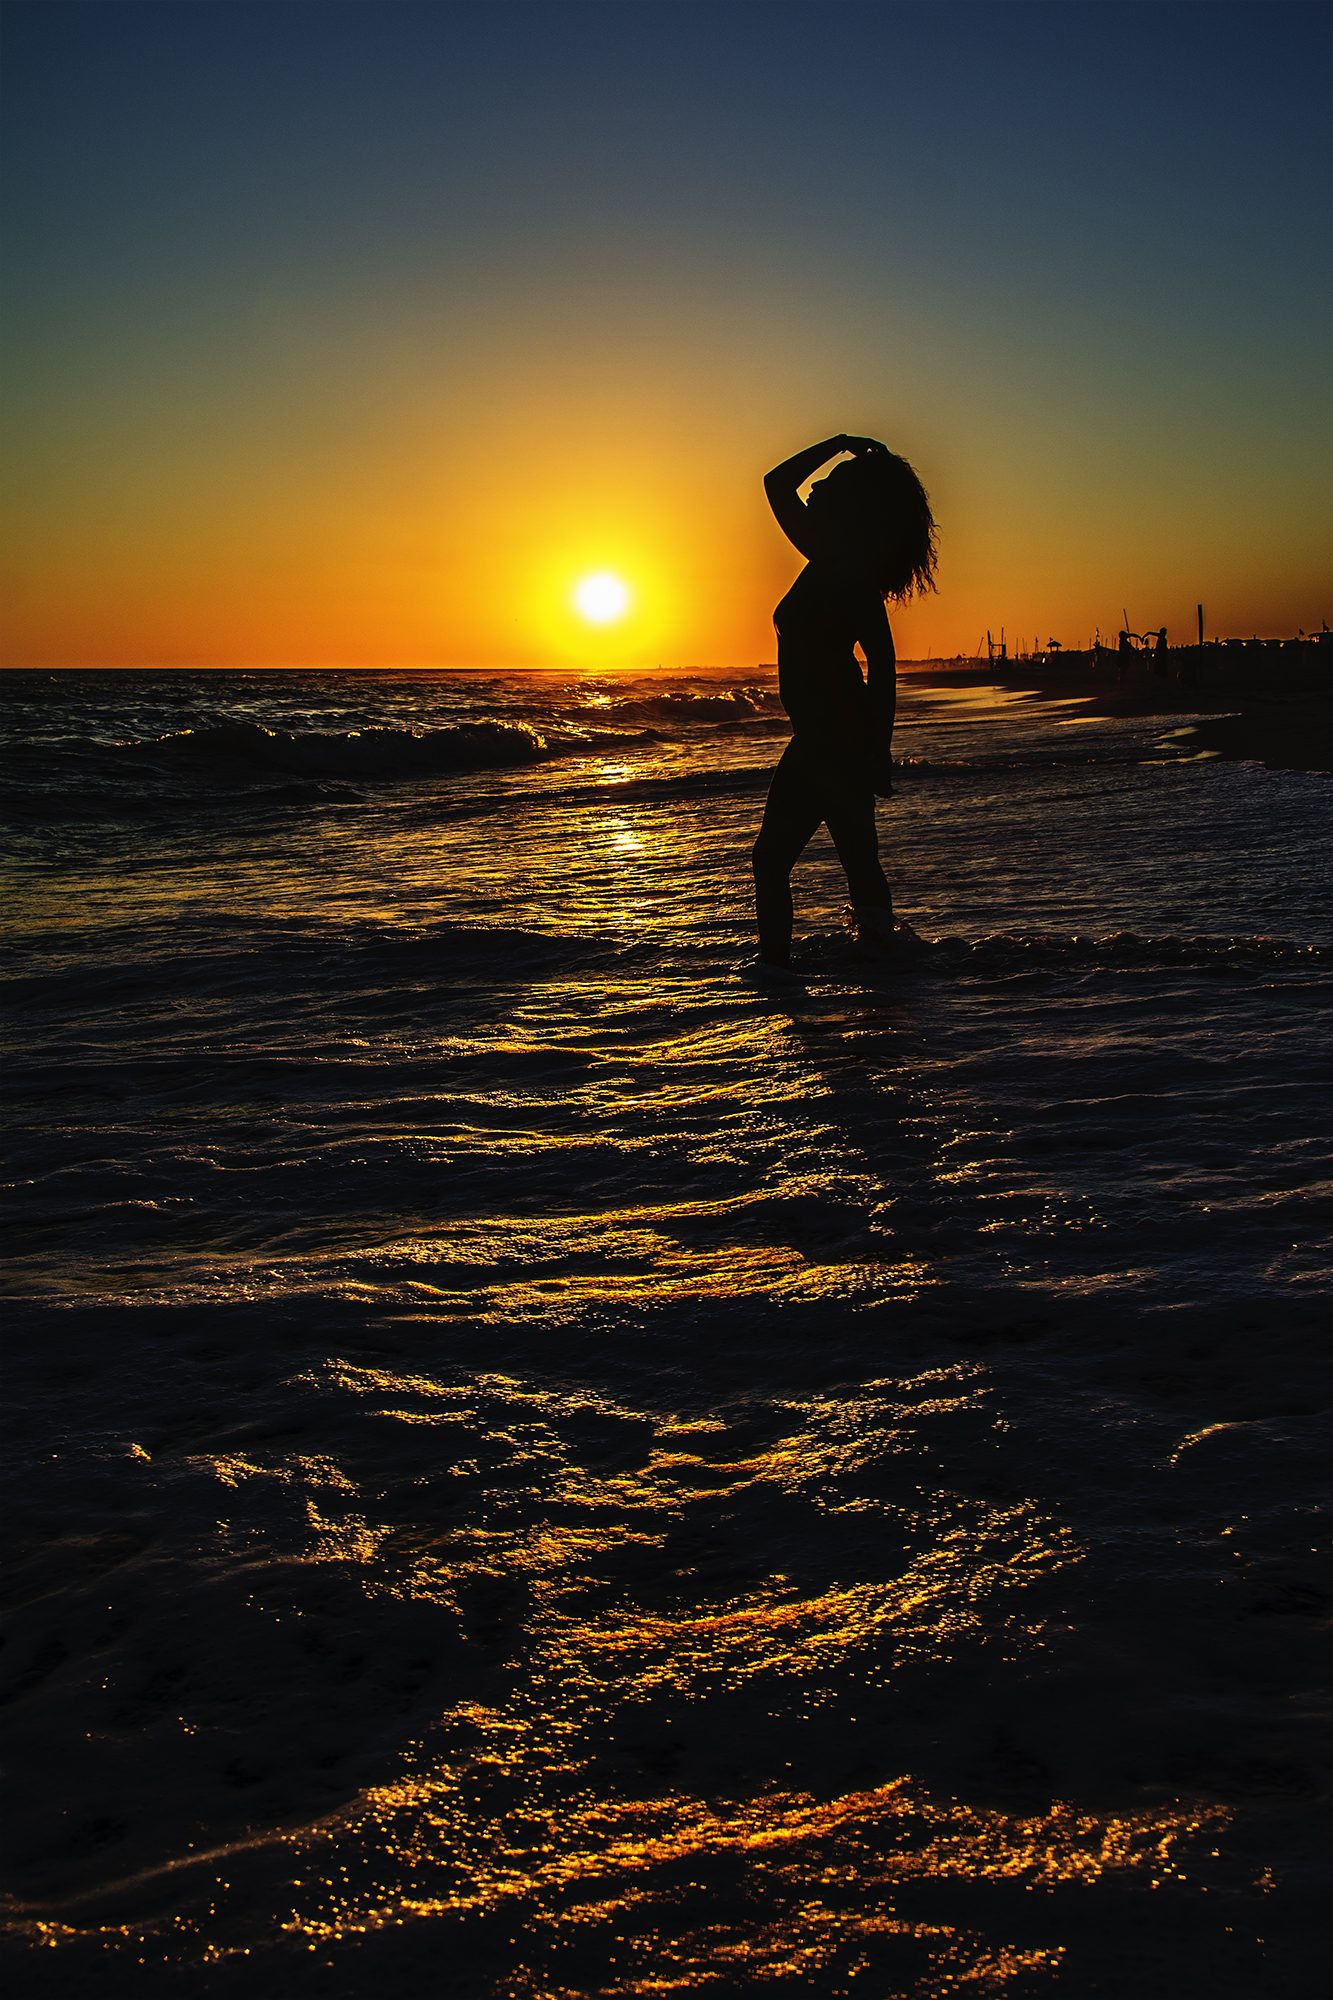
x=539, y=1466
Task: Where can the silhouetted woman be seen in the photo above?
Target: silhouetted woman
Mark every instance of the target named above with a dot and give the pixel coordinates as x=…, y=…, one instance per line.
x=867, y=534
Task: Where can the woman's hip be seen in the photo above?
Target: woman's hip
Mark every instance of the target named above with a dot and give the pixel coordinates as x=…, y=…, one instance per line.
x=831, y=761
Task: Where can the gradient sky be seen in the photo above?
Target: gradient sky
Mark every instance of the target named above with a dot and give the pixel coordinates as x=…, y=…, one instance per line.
x=354, y=334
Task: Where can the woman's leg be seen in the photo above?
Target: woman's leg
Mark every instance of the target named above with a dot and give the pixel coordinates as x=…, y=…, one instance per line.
x=851, y=824
x=792, y=816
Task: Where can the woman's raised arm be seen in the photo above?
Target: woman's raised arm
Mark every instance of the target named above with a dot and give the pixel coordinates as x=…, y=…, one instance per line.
x=782, y=487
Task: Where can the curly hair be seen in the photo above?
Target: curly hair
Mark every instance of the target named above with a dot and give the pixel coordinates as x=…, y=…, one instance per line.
x=883, y=517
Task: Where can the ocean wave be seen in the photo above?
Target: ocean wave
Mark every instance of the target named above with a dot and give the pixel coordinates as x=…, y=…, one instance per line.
x=1018, y=958
x=1005, y=951
x=388, y=753
x=722, y=707
x=737, y=705
x=1083, y=758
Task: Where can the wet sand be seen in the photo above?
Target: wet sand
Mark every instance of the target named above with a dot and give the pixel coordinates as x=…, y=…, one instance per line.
x=1282, y=729
x=1295, y=736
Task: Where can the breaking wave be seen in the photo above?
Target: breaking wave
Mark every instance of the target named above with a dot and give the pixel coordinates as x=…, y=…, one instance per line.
x=471, y=746
x=742, y=704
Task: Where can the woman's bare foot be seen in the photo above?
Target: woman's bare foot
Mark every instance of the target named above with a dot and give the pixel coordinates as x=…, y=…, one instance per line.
x=764, y=972
x=882, y=934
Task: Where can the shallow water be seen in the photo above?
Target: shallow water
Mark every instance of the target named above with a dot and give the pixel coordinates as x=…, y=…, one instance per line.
x=541, y=1465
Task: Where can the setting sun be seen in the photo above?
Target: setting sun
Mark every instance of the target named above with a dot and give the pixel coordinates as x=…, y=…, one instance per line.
x=601, y=598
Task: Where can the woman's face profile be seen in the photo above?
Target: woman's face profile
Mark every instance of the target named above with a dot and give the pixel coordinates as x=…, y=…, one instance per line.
x=820, y=496
x=837, y=507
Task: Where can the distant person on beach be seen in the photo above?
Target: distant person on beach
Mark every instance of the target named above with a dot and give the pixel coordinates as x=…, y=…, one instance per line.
x=867, y=533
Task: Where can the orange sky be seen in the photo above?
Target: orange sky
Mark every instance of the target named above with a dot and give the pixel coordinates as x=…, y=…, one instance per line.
x=268, y=408
x=289, y=532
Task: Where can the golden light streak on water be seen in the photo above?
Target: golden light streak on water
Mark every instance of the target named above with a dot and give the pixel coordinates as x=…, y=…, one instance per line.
x=837, y=1872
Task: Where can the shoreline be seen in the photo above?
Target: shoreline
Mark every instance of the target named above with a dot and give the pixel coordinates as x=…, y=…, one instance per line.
x=1284, y=731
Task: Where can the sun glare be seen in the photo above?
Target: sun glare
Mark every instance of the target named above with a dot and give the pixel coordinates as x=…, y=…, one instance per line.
x=601, y=598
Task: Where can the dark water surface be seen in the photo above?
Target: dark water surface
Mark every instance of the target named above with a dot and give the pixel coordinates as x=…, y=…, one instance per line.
x=541, y=1469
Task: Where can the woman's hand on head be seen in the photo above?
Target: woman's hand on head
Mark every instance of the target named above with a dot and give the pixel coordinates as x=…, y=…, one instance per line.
x=864, y=447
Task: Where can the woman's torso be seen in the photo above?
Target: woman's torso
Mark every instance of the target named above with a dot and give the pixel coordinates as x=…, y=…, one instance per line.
x=818, y=622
